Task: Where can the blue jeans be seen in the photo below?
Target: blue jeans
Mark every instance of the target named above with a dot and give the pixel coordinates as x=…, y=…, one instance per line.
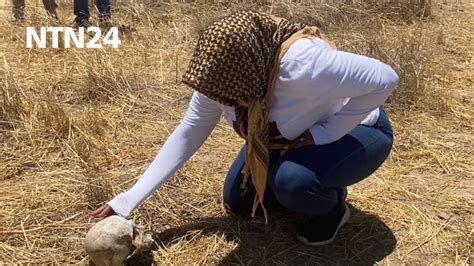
x=81, y=9
x=312, y=179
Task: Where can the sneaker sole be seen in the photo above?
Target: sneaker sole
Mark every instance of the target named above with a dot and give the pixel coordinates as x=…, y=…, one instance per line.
x=305, y=241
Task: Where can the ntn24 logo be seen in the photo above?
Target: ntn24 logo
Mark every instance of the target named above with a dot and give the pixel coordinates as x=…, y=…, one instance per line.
x=68, y=37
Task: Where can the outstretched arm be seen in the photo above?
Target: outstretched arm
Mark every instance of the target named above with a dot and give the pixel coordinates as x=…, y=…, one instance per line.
x=199, y=121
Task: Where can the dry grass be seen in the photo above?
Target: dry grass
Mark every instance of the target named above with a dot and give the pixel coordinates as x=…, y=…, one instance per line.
x=78, y=126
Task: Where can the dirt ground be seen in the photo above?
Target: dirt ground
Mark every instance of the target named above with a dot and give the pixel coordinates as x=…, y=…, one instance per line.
x=79, y=126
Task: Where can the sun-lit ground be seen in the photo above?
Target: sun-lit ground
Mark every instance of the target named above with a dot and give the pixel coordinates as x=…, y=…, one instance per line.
x=79, y=126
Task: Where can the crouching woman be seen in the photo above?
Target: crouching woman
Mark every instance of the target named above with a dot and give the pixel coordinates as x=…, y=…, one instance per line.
x=312, y=118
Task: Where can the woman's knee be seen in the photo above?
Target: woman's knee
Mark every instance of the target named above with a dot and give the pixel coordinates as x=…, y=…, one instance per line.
x=235, y=199
x=234, y=202
x=291, y=183
x=298, y=189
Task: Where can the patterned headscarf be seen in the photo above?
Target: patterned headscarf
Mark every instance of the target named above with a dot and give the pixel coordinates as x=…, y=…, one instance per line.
x=234, y=64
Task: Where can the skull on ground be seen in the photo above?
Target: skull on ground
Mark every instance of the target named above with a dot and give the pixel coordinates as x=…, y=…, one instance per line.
x=112, y=240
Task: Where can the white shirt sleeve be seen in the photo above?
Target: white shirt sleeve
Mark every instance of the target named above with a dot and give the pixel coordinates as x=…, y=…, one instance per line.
x=367, y=81
x=199, y=121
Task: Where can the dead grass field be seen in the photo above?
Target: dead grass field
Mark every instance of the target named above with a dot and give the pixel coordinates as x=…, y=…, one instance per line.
x=78, y=126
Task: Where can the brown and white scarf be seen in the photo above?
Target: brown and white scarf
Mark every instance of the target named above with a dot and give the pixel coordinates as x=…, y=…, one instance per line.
x=235, y=63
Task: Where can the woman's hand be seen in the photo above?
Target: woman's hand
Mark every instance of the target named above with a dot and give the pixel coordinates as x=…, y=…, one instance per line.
x=103, y=212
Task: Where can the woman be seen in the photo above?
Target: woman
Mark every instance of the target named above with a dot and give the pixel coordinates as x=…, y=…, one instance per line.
x=311, y=117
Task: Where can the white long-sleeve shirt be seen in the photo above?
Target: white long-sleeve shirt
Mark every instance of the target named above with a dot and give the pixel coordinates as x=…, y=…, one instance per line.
x=318, y=88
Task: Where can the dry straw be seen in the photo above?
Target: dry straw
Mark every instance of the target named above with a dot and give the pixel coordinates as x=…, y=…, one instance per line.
x=79, y=126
